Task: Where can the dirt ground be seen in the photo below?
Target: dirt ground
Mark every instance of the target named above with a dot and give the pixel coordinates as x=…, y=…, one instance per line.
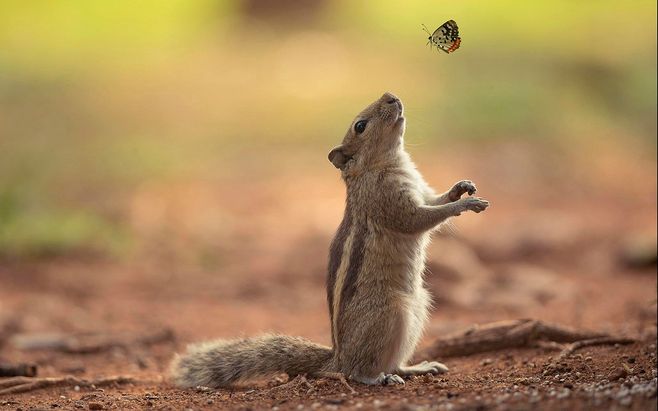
x=567, y=246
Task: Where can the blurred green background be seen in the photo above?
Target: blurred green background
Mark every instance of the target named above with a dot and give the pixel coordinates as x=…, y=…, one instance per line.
x=99, y=100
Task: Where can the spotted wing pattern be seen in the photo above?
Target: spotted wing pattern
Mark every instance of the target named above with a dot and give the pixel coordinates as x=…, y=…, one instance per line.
x=446, y=37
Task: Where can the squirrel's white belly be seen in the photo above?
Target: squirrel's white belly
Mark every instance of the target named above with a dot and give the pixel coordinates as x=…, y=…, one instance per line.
x=414, y=306
x=414, y=322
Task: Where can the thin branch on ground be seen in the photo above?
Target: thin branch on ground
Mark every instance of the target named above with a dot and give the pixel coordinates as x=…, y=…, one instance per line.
x=571, y=348
x=294, y=383
x=335, y=376
x=24, y=384
x=90, y=343
x=18, y=370
x=302, y=380
x=549, y=345
x=525, y=333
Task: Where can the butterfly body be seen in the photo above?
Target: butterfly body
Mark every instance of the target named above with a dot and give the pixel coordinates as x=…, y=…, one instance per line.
x=446, y=37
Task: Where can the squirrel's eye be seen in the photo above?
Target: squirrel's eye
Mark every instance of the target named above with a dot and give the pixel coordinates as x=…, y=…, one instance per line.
x=360, y=126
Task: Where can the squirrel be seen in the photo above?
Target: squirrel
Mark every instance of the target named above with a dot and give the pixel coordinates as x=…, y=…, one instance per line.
x=378, y=304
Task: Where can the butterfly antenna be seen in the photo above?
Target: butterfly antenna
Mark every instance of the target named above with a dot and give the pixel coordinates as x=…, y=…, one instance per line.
x=426, y=30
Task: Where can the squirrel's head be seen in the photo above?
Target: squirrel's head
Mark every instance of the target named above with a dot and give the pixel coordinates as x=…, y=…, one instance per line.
x=374, y=137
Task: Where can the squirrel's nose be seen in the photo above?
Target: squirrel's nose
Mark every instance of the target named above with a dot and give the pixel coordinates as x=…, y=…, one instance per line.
x=390, y=98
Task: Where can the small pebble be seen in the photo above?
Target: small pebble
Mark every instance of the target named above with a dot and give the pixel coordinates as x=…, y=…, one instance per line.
x=618, y=373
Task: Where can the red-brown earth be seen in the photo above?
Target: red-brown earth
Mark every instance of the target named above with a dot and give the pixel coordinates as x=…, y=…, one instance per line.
x=564, y=241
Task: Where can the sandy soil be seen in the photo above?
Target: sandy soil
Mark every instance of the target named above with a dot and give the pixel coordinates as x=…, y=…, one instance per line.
x=256, y=263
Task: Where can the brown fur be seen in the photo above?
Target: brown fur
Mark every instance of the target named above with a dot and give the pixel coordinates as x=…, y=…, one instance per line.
x=377, y=303
x=335, y=257
x=223, y=362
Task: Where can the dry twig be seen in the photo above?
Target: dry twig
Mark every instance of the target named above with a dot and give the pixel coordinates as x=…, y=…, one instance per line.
x=90, y=343
x=23, y=384
x=591, y=342
x=18, y=370
x=335, y=376
x=523, y=333
x=293, y=383
x=302, y=380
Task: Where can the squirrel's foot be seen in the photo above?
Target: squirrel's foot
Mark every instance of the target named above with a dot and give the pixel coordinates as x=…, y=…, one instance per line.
x=389, y=379
x=461, y=187
x=425, y=367
x=381, y=379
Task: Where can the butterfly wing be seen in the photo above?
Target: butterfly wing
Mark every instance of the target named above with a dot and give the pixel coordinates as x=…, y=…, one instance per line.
x=446, y=37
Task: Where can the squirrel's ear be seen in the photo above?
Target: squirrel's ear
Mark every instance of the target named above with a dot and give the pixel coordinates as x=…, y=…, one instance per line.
x=338, y=158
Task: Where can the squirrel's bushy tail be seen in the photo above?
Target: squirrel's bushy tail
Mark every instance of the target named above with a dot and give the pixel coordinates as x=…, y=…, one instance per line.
x=223, y=362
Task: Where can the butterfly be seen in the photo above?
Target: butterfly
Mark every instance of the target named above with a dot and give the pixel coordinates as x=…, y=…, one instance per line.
x=446, y=37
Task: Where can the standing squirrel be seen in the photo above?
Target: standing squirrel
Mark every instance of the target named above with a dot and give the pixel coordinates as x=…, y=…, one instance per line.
x=377, y=302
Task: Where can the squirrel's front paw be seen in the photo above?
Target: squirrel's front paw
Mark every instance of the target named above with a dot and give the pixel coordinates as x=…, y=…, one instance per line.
x=424, y=367
x=464, y=186
x=475, y=204
x=433, y=367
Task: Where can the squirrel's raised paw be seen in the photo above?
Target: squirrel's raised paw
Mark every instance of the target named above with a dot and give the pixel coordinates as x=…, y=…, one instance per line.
x=461, y=187
x=475, y=204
